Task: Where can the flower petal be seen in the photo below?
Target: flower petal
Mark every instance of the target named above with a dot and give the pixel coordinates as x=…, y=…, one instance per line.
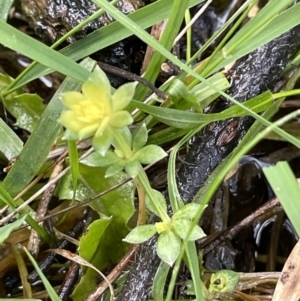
x=101, y=80
x=95, y=93
x=87, y=131
x=121, y=119
x=102, y=127
x=68, y=120
x=123, y=96
x=72, y=98
x=102, y=143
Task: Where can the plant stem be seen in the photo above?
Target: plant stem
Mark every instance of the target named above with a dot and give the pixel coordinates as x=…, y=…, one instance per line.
x=141, y=177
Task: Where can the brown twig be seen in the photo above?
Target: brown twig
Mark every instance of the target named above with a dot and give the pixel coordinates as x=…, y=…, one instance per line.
x=34, y=242
x=69, y=282
x=114, y=274
x=212, y=241
x=131, y=76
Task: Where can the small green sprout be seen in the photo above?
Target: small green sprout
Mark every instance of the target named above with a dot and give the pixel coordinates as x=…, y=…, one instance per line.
x=224, y=281
x=171, y=232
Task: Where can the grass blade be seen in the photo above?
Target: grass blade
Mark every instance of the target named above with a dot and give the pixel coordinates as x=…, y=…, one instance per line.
x=286, y=188
x=52, y=293
x=5, y=6
x=22, y=43
x=10, y=144
x=106, y=36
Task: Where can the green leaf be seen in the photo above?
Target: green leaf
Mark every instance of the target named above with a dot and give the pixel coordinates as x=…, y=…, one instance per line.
x=10, y=144
x=224, y=281
x=188, y=120
x=127, y=136
x=121, y=119
x=106, y=36
x=32, y=48
x=255, y=25
x=123, y=96
x=166, y=39
x=286, y=188
x=103, y=142
x=7, y=229
x=140, y=234
x=117, y=204
x=188, y=211
x=168, y=247
x=140, y=137
x=182, y=227
x=27, y=109
x=205, y=94
x=89, y=242
x=276, y=27
x=114, y=169
x=95, y=159
x=50, y=290
x=150, y=154
x=159, y=198
x=90, y=248
x=159, y=281
x=182, y=97
x=132, y=168
x=73, y=157
x=5, y=6
x=64, y=190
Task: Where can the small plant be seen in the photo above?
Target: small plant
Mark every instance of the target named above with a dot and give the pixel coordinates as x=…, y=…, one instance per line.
x=98, y=113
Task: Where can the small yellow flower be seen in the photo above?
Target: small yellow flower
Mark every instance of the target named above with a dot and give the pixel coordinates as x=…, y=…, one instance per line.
x=96, y=112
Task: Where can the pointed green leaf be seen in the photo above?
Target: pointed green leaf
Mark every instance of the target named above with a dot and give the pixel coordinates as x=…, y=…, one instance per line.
x=140, y=234
x=168, y=247
x=103, y=142
x=96, y=159
x=132, y=168
x=188, y=211
x=50, y=290
x=114, y=169
x=159, y=198
x=140, y=137
x=182, y=227
x=150, y=154
x=126, y=133
x=286, y=188
x=123, y=96
x=89, y=241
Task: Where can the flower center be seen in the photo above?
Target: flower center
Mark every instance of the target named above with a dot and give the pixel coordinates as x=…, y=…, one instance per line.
x=91, y=112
